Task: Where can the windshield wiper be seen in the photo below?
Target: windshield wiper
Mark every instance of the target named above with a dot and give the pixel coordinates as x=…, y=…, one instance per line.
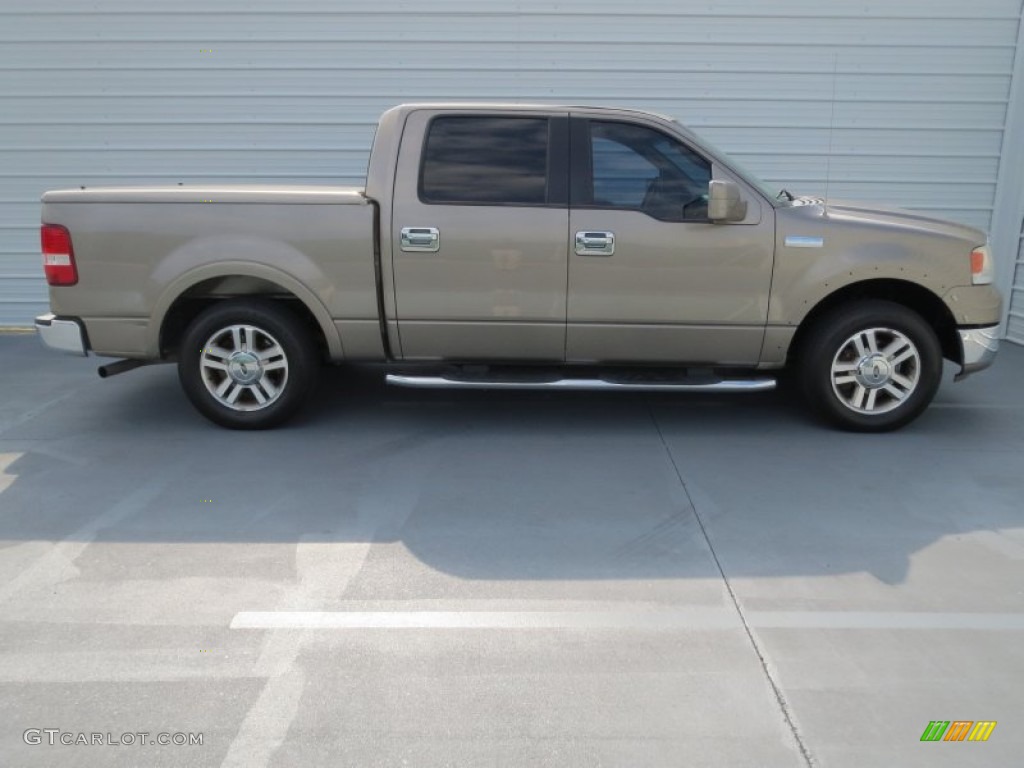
x=790, y=196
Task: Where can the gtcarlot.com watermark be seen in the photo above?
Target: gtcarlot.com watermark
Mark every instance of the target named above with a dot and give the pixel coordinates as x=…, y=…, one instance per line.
x=55, y=737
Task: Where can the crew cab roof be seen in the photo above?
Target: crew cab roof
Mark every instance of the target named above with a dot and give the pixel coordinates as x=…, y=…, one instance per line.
x=528, y=107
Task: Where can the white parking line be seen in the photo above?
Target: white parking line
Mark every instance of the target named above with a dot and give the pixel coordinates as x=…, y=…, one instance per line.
x=321, y=566
x=6, y=459
x=885, y=620
x=324, y=571
x=673, y=619
x=57, y=564
x=979, y=406
x=696, y=618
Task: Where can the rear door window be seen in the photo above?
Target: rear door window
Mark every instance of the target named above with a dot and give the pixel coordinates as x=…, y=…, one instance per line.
x=486, y=160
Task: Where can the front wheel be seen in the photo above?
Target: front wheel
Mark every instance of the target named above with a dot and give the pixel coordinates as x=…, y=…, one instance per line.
x=870, y=367
x=247, y=364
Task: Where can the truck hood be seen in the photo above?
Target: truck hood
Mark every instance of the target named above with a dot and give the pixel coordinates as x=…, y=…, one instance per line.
x=219, y=193
x=901, y=218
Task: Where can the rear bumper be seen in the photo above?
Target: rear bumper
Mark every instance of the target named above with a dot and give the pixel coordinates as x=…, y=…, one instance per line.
x=64, y=334
x=979, y=346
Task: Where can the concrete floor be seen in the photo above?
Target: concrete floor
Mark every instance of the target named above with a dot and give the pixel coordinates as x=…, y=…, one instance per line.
x=476, y=579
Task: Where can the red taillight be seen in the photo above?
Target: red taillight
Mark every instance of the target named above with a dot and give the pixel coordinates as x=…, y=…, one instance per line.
x=58, y=255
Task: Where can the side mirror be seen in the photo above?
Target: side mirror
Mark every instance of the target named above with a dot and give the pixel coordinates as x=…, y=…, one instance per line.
x=724, y=203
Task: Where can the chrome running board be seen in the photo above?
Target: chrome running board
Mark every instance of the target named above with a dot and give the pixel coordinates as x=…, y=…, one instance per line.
x=718, y=385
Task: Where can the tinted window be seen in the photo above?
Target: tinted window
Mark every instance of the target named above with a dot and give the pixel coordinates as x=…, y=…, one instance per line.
x=621, y=176
x=639, y=168
x=486, y=160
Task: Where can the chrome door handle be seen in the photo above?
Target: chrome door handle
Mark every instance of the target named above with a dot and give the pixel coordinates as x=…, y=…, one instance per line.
x=595, y=243
x=421, y=239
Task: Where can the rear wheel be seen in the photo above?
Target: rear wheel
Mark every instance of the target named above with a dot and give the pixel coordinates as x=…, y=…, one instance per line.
x=870, y=367
x=247, y=364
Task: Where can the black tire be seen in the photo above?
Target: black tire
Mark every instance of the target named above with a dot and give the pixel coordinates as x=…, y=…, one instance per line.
x=259, y=335
x=844, y=338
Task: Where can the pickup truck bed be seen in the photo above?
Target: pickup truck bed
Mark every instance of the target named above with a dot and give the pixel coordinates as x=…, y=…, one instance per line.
x=315, y=243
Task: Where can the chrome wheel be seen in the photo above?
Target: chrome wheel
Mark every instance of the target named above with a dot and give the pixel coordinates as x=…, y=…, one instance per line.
x=244, y=368
x=875, y=370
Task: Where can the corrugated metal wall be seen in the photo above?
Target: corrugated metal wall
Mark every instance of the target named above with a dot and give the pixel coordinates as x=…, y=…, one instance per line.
x=909, y=97
x=1015, y=295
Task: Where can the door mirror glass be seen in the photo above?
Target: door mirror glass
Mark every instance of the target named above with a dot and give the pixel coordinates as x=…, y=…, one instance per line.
x=724, y=203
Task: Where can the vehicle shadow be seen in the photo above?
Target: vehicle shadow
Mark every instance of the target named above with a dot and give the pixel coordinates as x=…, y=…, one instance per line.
x=517, y=485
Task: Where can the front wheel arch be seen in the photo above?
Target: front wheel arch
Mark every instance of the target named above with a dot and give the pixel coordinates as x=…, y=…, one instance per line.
x=928, y=305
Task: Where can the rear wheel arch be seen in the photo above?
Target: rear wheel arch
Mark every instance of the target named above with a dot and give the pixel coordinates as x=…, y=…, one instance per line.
x=192, y=293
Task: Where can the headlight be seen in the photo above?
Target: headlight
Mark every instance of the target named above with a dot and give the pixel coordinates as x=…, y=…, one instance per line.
x=981, y=265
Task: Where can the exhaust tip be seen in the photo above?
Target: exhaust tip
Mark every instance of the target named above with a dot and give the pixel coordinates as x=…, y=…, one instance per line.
x=112, y=369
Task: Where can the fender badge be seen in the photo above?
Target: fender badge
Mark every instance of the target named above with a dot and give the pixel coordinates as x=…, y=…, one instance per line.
x=801, y=241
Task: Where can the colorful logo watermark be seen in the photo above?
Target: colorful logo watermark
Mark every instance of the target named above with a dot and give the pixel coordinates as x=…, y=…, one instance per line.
x=958, y=730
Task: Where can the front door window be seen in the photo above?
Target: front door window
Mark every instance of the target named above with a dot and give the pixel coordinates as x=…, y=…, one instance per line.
x=638, y=168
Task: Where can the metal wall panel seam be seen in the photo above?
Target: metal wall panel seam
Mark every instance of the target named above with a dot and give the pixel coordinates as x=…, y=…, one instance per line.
x=1008, y=210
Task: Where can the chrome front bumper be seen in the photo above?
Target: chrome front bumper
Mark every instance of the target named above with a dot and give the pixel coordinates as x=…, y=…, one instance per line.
x=61, y=334
x=979, y=349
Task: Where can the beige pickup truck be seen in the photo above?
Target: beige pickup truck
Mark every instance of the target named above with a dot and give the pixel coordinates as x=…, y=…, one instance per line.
x=511, y=246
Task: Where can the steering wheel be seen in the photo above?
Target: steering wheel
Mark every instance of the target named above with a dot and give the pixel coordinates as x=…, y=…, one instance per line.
x=697, y=208
x=662, y=200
